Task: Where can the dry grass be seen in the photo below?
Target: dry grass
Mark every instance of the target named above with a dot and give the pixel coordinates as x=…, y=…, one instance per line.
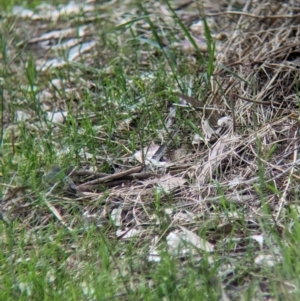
x=237, y=185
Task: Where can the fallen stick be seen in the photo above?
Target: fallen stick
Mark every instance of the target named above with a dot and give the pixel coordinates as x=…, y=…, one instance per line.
x=112, y=177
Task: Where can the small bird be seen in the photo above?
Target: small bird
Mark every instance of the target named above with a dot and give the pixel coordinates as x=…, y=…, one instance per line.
x=59, y=181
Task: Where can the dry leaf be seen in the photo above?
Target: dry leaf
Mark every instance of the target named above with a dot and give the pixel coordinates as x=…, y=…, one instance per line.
x=94, y=220
x=145, y=155
x=124, y=234
x=196, y=139
x=186, y=217
x=235, y=182
x=57, y=117
x=266, y=260
x=259, y=239
x=116, y=216
x=225, y=121
x=168, y=182
x=77, y=50
x=195, y=240
x=21, y=116
x=60, y=34
x=181, y=243
x=219, y=151
x=208, y=130
x=153, y=253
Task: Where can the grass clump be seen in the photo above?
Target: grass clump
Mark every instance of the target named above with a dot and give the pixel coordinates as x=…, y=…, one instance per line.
x=180, y=136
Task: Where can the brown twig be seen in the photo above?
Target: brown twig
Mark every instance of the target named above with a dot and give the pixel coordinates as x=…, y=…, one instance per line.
x=231, y=95
x=81, y=173
x=257, y=101
x=112, y=177
x=252, y=15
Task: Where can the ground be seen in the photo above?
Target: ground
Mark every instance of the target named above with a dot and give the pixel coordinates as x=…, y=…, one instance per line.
x=149, y=150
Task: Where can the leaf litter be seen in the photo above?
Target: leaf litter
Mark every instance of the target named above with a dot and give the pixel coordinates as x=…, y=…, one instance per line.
x=253, y=94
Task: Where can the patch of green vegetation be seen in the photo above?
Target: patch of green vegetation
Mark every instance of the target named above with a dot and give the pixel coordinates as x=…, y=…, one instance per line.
x=119, y=104
x=7, y=5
